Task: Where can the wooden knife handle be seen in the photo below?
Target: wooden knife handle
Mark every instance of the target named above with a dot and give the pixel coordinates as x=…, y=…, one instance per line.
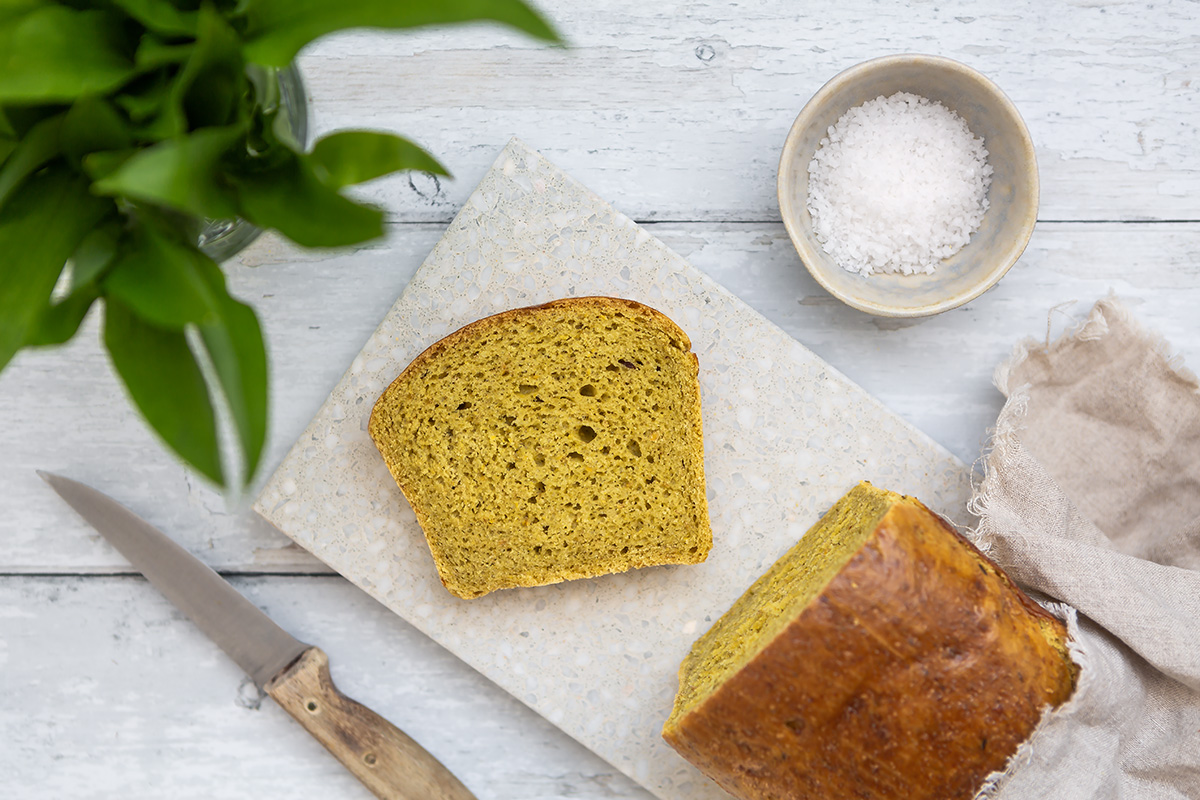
x=379, y=754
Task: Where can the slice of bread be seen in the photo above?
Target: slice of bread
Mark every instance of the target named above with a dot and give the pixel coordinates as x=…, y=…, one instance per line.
x=883, y=656
x=552, y=442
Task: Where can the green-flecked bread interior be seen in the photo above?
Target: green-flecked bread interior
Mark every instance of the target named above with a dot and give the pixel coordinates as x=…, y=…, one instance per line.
x=779, y=595
x=549, y=443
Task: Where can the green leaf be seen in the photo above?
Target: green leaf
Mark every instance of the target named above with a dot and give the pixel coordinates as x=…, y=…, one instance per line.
x=39, y=146
x=60, y=321
x=6, y=148
x=162, y=280
x=291, y=199
x=351, y=157
x=146, y=97
x=165, y=382
x=153, y=53
x=92, y=124
x=13, y=10
x=171, y=285
x=234, y=342
x=160, y=16
x=181, y=173
x=213, y=80
x=275, y=30
x=95, y=253
x=53, y=53
x=7, y=131
x=40, y=226
x=103, y=164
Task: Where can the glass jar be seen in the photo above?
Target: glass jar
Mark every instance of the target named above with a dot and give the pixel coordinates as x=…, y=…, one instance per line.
x=283, y=89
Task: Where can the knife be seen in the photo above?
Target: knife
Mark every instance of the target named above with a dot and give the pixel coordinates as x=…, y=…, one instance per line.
x=294, y=674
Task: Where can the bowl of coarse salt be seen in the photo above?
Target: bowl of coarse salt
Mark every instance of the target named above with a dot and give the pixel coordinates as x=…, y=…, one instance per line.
x=908, y=185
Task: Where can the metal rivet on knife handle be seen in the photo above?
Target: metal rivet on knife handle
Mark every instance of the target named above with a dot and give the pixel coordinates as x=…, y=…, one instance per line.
x=379, y=754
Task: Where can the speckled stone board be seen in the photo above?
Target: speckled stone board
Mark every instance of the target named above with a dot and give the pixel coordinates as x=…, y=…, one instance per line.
x=785, y=435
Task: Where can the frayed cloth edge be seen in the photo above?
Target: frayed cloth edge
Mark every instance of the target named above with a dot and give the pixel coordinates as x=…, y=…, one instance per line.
x=1092, y=327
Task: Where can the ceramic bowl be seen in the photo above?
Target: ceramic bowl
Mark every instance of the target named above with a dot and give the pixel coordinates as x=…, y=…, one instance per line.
x=1012, y=197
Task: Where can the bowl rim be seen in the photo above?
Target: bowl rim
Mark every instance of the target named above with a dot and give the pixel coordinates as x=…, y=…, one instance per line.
x=807, y=252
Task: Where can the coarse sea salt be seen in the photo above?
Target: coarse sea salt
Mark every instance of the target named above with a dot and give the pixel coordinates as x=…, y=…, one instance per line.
x=899, y=184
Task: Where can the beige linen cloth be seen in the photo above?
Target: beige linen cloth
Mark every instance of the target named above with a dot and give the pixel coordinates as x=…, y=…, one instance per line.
x=1091, y=497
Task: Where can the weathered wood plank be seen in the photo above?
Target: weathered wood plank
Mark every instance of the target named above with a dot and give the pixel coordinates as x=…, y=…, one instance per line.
x=65, y=412
x=108, y=691
x=680, y=113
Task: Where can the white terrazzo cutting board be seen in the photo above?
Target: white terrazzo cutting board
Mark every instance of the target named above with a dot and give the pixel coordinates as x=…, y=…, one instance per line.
x=785, y=435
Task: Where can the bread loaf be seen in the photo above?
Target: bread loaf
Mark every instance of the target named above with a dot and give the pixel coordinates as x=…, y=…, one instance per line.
x=883, y=656
x=552, y=442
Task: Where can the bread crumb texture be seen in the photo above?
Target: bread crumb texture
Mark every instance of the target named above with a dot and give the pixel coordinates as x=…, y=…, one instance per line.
x=550, y=443
x=883, y=656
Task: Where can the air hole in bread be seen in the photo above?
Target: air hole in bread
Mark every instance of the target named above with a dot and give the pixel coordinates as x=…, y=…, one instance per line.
x=585, y=433
x=587, y=390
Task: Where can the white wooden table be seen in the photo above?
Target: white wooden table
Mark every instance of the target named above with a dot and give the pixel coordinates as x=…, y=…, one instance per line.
x=674, y=112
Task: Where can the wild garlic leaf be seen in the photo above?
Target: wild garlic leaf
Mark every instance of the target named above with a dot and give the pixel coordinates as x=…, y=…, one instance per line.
x=41, y=144
x=275, y=30
x=40, y=226
x=91, y=125
x=160, y=16
x=352, y=157
x=145, y=97
x=163, y=280
x=53, y=53
x=102, y=164
x=6, y=148
x=153, y=52
x=213, y=80
x=235, y=344
x=291, y=199
x=60, y=321
x=95, y=253
x=172, y=285
x=182, y=173
x=165, y=382
x=7, y=131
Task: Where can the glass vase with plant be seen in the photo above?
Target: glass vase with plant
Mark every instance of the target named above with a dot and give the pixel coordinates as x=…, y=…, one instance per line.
x=131, y=133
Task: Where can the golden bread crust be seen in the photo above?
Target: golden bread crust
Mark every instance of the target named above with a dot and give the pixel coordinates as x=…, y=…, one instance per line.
x=915, y=673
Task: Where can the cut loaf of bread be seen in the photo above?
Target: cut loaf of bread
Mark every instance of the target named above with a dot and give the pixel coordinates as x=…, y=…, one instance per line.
x=883, y=656
x=552, y=442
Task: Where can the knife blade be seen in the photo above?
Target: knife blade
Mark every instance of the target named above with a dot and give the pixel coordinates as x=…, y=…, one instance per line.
x=295, y=675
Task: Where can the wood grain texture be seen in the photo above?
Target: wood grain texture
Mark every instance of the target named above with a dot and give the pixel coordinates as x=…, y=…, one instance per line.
x=384, y=758
x=675, y=113
x=106, y=691
x=679, y=111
